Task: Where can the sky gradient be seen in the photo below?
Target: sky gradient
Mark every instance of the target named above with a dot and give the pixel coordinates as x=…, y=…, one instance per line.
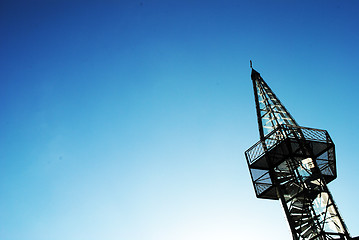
x=129, y=119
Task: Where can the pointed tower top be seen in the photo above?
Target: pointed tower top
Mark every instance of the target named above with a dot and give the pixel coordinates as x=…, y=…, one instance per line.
x=270, y=111
x=255, y=75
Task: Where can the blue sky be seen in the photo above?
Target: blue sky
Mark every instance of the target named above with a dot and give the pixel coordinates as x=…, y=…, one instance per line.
x=129, y=119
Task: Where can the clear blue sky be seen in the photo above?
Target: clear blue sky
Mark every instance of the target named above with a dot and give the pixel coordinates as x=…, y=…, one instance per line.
x=128, y=120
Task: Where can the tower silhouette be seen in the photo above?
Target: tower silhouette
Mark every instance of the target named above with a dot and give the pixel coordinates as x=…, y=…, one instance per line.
x=293, y=164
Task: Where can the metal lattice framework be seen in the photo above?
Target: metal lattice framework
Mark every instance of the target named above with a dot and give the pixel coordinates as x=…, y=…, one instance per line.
x=293, y=164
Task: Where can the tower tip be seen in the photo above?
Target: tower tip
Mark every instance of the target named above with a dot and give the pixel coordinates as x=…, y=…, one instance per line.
x=250, y=63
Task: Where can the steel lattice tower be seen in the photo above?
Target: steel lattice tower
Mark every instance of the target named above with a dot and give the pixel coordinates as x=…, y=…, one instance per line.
x=293, y=164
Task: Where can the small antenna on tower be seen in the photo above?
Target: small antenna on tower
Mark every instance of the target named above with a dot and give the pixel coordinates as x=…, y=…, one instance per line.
x=250, y=63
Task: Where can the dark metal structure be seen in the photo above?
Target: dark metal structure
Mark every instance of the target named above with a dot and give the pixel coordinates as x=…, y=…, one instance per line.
x=293, y=164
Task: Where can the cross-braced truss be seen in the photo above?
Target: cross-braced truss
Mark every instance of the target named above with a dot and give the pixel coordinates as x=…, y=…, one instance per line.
x=294, y=164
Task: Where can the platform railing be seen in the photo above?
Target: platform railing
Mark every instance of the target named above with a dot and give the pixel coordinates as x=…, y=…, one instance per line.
x=282, y=132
